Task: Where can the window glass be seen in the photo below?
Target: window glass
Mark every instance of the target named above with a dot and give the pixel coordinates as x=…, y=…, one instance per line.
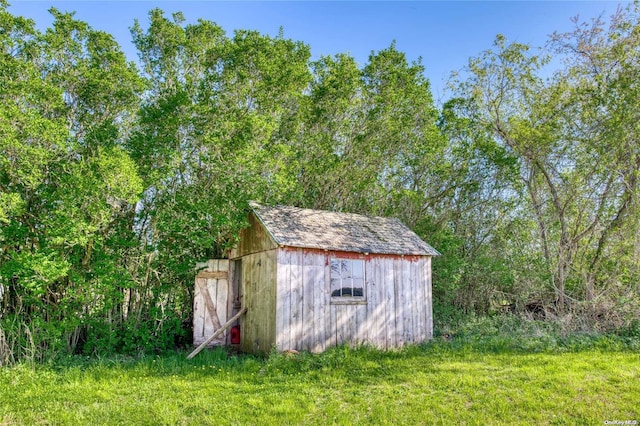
x=347, y=278
x=357, y=269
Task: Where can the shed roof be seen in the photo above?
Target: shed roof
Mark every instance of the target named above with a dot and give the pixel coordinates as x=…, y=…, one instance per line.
x=296, y=227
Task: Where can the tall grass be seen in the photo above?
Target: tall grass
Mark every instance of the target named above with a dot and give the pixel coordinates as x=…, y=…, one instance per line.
x=17, y=344
x=514, y=333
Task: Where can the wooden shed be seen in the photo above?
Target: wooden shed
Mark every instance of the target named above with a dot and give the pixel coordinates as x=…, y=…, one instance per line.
x=313, y=279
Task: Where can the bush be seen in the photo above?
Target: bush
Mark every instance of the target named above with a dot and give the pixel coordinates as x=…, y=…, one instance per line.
x=132, y=337
x=511, y=332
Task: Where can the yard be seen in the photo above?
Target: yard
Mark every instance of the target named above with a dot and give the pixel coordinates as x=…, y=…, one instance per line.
x=432, y=384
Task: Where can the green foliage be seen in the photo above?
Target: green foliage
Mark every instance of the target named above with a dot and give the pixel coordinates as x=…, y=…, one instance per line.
x=632, y=331
x=66, y=179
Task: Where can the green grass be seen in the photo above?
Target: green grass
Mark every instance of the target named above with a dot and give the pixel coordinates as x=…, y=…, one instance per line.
x=441, y=383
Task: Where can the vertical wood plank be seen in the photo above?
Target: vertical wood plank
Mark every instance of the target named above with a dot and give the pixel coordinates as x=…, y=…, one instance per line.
x=319, y=307
x=415, y=302
x=409, y=298
x=362, y=313
x=390, y=314
x=397, y=299
x=308, y=280
x=415, y=282
x=272, y=260
x=255, y=309
x=221, y=287
x=382, y=313
x=246, y=302
x=338, y=324
x=259, y=296
x=265, y=318
x=230, y=295
x=352, y=325
x=332, y=328
x=369, y=321
x=410, y=304
x=360, y=321
x=376, y=311
x=405, y=296
x=296, y=299
x=288, y=301
x=209, y=293
x=422, y=301
x=223, y=265
x=372, y=304
x=198, y=313
x=342, y=326
x=333, y=335
x=283, y=304
x=369, y=266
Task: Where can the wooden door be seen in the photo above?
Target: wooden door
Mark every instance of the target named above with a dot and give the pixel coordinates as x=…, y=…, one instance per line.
x=212, y=302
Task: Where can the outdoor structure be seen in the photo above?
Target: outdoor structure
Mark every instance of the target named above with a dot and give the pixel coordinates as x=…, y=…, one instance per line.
x=313, y=279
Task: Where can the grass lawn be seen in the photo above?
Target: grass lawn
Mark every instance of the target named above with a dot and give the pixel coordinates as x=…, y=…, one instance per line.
x=433, y=384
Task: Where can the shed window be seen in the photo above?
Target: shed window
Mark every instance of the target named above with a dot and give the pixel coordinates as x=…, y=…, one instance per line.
x=347, y=279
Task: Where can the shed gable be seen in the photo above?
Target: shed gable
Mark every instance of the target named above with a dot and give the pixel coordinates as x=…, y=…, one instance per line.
x=253, y=239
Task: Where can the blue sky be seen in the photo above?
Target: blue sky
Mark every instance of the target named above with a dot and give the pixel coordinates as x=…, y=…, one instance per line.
x=443, y=33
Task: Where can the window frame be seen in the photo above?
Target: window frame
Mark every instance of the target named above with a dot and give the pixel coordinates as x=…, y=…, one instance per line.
x=349, y=276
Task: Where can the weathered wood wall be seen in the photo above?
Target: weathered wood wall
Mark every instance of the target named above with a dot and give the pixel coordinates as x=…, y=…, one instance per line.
x=258, y=295
x=397, y=309
x=253, y=239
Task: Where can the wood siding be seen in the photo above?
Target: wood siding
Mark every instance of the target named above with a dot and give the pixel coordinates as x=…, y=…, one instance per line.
x=258, y=295
x=397, y=310
x=253, y=239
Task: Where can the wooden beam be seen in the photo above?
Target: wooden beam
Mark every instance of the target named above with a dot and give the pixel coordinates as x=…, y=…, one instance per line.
x=218, y=275
x=217, y=333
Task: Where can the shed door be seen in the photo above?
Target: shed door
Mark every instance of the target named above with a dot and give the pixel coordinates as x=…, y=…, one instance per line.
x=211, y=301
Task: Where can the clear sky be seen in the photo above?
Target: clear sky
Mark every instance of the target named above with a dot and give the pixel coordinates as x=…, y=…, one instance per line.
x=443, y=33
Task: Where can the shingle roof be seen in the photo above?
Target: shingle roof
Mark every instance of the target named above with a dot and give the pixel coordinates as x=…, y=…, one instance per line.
x=296, y=227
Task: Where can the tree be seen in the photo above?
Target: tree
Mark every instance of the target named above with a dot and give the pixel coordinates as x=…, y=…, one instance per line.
x=211, y=134
x=64, y=172
x=575, y=139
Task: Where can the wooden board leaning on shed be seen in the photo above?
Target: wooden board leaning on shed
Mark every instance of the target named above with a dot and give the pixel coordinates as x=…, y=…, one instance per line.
x=217, y=333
